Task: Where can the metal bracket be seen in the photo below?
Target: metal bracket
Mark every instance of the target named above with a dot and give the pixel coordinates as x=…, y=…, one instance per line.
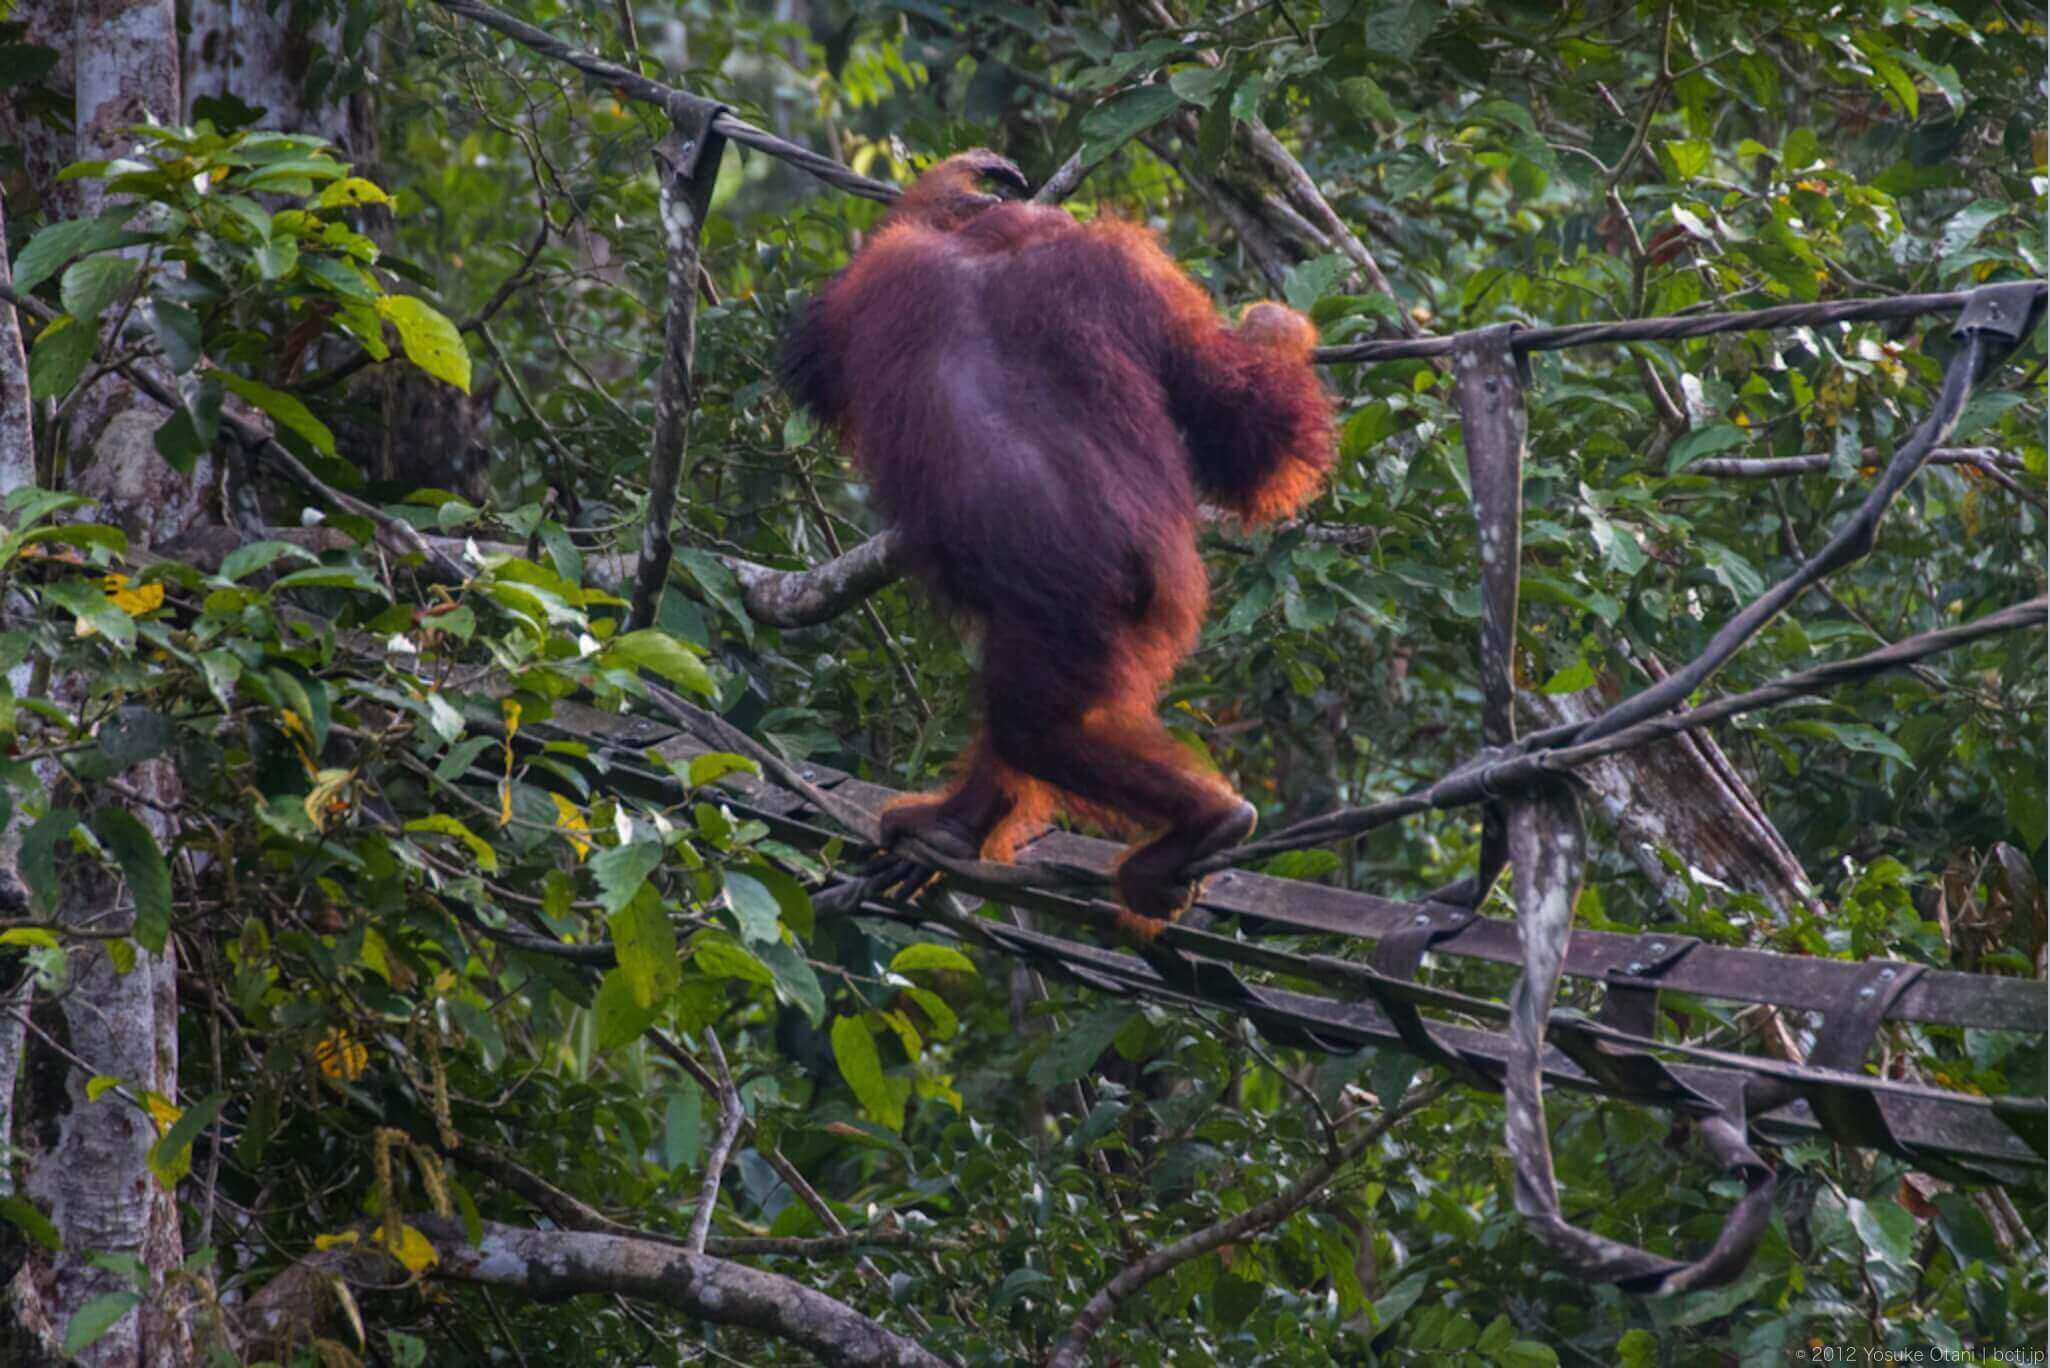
x=1632, y=983
x=1849, y=1026
x=2005, y=312
x=1399, y=955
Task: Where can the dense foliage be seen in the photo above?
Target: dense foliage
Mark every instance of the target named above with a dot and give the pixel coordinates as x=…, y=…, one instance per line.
x=375, y=811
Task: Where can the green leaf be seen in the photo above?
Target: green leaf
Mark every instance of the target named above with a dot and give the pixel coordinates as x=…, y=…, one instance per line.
x=60, y=242
x=94, y=283
x=646, y=945
x=285, y=408
x=178, y=441
x=286, y=177
x=713, y=766
x=655, y=650
x=1397, y=28
x=1892, y=77
x=622, y=870
x=1111, y=124
x=148, y=874
x=855, y=1051
x=1572, y=679
x=170, y=1159
x=276, y=258
x=31, y=1222
x=1704, y=441
x=1199, y=85
x=75, y=534
x=1019, y=1282
x=349, y=281
x=94, y=1319
x=683, y=1123
x=245, y=561
x=441, y=824
x=913, y=958
x=431, y=342
x=1070, y=1054
x=713, y=576
x=1301, y=864
x=754, y=907
x=1313, y=279
x=346, y=576
x=1689, y=157
x=25, y=63
x=38, y=855
x=796, y=982
x=618, y=1017
x=942, y=1022
x=719, y=955
x=60, y=356
x=90, y=605
x=1855, y=736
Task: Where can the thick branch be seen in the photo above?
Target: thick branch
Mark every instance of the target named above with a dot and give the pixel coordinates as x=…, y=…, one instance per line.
x=563, y=1263
x=1664, y=329
x=805, y=598
x=1773, y=468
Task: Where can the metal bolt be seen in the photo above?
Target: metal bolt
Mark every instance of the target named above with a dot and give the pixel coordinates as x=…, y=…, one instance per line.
x=1886, y=975
x=1658, y=947
x=1867, y=991
x=1633, y=968
x=1423, y=919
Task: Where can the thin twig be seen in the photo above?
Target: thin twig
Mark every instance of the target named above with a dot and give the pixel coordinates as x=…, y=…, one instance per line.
x=1098, y=1310
x=731, y=1114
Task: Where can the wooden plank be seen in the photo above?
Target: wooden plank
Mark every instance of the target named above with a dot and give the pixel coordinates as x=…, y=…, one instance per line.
x=1724, y=974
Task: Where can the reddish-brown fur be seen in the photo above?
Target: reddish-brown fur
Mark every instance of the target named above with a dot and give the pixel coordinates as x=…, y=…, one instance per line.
x=1038, y=405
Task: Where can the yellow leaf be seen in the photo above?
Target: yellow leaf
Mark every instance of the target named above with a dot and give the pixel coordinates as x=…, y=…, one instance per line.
x=295, y=727
x=569, y=819
x=96, y=1086
x=346, y=1237
x=134, y=602
x=413, y=1250
x=330, y=797
x=505, y=803
x=511, y=708
x=431, y=342
x=162, y=1110
x=341, y=1055
x=351, y=190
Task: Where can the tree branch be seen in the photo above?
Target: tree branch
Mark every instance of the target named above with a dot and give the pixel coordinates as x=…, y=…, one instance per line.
x=563, y=1263
x=632, y=85
x=731, y=1115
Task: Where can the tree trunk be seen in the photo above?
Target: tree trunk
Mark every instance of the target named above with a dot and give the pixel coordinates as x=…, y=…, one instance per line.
x=93, y=1177
x=1685, y=796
